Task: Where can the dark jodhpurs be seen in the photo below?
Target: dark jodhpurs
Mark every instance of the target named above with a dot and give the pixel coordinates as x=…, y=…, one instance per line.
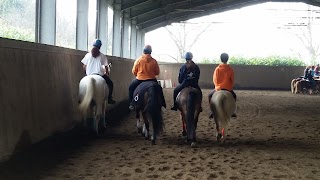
x=110, y=85
x=134, y=84
x=180, y=87
x=212, y=92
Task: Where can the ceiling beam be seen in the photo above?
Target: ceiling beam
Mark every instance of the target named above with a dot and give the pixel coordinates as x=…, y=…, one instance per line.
x=132, y=4
x=146, y=10
x=219, y=7
x=161, y=5
x=166, y=12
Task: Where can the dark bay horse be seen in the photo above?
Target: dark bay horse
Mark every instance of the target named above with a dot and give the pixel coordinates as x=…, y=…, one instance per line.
x=189, y=104
x=150, y=108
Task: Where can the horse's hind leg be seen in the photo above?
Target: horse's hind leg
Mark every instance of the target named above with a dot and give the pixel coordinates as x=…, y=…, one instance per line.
x=219, y=134
x=194, y=138
x=293, y=85
x=184, y=131
x=103, y=120
x=139, y=124
x=145, y=129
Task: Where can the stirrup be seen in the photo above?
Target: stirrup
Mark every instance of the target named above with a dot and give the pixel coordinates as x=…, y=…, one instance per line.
x=131, y=107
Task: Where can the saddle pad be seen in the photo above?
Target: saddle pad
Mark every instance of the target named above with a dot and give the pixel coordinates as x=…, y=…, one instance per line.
x=138, y=93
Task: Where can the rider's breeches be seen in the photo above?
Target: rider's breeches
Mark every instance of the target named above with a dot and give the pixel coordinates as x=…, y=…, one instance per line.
x=110, y=85
x=180, y=87
x=134, y=84
x=212, y=92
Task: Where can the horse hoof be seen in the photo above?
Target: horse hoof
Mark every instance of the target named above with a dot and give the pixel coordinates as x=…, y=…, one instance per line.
x=193, y=144
x=219, y=137
x=153, y=142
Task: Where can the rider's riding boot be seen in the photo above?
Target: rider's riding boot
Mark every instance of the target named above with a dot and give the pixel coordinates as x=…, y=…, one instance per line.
x=131, y=107
x=111, y=101
x=174, y=107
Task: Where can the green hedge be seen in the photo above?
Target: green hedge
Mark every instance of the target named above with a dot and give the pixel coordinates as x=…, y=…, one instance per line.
x=16, y=33
x=265, y=61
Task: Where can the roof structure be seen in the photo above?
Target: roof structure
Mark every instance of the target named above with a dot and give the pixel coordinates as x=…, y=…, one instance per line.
x=152, y=14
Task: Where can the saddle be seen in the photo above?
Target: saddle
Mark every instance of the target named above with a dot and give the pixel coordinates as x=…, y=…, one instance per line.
x=138, y=94
x=178, y=96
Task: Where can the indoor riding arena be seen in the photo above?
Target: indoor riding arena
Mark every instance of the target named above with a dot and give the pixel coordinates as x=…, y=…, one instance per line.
x=275, y=136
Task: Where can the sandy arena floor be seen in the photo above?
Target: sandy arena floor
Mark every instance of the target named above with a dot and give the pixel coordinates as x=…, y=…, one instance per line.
x=276, y=136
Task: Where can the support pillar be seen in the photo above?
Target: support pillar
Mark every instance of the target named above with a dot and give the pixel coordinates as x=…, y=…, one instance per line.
x=46, y=24
x=133, y=40
x=116, y=41
x=125, y=50
x=102, y=24
x=82, y=25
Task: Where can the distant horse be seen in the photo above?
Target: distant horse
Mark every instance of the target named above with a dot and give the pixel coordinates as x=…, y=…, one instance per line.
x=189, y=104
x=149, y=103
x=93, y=92
x=305, y=87
x=293, y=84
x=222, y=105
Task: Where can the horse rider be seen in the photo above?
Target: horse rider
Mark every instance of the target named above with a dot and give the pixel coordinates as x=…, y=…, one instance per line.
x=95, y=62
x=223, y=79
x=145, y=68
x=306, y=71
x=189, y=75
x=316, y=70
x=309, y=77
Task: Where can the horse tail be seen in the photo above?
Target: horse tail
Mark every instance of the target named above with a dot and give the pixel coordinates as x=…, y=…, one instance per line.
x=154, y=110
x=87, y=97
x=292, y=85
x=221, y=110
x=190, y=112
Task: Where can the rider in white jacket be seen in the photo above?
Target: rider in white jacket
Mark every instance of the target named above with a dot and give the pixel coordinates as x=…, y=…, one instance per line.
x=95, y=62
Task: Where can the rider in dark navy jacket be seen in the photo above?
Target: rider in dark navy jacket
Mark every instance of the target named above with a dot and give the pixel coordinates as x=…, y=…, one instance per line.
x=188, y=76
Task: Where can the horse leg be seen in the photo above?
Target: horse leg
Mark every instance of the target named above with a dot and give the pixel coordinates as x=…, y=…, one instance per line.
x=91, y=118
x=103, y=121
x=183, y=120
x=292, y=85
x=145, y=125
x=219, y=134
x=95, y=120
x=194, y=138
x=139, y=126
x=99, y=117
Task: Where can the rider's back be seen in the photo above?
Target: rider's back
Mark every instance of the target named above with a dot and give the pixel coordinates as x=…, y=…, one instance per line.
x=223, y=77
x=145, y=68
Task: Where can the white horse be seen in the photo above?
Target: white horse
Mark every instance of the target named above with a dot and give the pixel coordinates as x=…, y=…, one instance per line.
x=93, y=92
x=222, y=105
